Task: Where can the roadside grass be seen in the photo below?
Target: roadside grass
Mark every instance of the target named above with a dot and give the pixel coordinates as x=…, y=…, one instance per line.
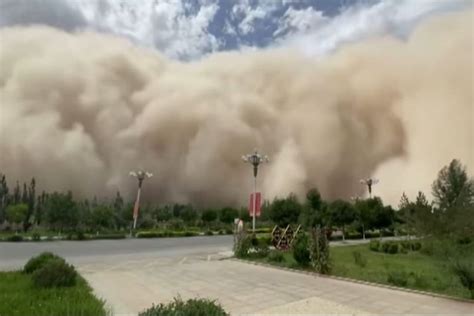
x=19, y=297
x=419, y=271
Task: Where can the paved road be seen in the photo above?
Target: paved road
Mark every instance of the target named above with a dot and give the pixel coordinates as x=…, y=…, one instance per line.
x=14, y=255
x=133, y=274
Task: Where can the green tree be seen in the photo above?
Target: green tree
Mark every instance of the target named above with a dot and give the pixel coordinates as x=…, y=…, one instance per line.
x=228, y=214
x=62, y=211
x=102, y=216
x=16, y=213
x=342, y=214
x=30, y=200
x=315, y=211
x=285, y=211
x=163, y=214
x=453, y=187
x=209, y=215
x=3, y=197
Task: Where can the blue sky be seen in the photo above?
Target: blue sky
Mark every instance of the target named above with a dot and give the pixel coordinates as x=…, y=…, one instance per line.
x=191, y=29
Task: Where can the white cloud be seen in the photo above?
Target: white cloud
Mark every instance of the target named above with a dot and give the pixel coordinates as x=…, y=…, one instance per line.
x=248, y=15
x=299, y=20
x=166, y=24
x=318, y=37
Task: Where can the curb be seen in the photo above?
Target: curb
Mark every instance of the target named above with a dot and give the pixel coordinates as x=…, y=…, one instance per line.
x=390, y=287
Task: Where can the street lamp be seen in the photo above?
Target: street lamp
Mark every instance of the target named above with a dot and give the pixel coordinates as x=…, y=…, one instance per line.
x=369, y=182
x=255, y=159
x=140, y=175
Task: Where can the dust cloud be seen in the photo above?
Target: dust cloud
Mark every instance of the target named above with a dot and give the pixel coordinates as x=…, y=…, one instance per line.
x=79, y=111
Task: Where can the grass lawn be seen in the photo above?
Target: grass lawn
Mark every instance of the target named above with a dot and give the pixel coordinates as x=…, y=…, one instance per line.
x=19, y=297
x=422, y=272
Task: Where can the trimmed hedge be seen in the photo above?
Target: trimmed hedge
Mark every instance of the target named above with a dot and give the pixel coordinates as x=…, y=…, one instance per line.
x=191, y=307
x=54, y=273
x=39, y=261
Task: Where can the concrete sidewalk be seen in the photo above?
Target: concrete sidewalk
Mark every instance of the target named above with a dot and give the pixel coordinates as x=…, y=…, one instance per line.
x=244, y=289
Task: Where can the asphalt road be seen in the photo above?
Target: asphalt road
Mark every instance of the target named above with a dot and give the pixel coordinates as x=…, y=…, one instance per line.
x=14, y=255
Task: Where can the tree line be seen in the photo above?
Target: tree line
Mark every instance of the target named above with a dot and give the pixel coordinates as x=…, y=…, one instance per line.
x=453, y=200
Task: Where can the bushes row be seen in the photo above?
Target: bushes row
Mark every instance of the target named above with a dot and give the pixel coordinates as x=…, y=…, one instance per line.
x=191, y=307
x=393, y=247
x=167, y=234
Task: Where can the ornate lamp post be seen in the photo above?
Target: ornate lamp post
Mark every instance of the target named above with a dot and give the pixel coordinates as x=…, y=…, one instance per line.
x=369, y=182
x=140, y=175
x=255, y=159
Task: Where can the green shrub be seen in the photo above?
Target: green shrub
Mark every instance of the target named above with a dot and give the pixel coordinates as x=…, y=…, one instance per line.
x=54, y=273
x=242, y=246
x=39, y=261
x=420, y=281
x=15, y=238
x=398, y=278
x=374, y=245
x=261, y=249
x=265, y=240
x=359, y=259
x=416, y=245
x=209, y=233
x=390, y=247
x=191, y=234
x=276, y=256
x=192, y=307
x=464, y=270
x=393, y=248
x=405, y=245
x=148, y=235
x=107, y=236
x=229, y=231
x=319, y=251
x=36, y=236
x=301, y=250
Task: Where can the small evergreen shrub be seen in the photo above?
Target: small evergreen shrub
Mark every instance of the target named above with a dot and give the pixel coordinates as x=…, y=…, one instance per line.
x=39, y=261
x=398, y=278
x=209, y=233
x=15, y=238
x=374, y=245
x=276, y=256
x=359, y=259
x=191, y=307
x=242, y=246
x=464, y=270
x=301, y=251
x=54, y=273
x=36, y=236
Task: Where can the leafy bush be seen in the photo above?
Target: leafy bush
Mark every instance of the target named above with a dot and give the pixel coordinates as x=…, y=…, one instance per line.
x=374, y=245
x=190, y=234
x=229, y=231
x=242, y=246
x=55, y=273
x=265, y=240
x=36, y=236
x=398, y=278
x=276, y=256
x=390, y=247
x=319, y=251
x=39, y=261
x=464, y=270
x=106, y=236
x=301, y=250
x=209, y=233
x=149, y=234
x=359, y=259
x=192, y=307
x=261, y=249
x=15, y=238
x=416, y=245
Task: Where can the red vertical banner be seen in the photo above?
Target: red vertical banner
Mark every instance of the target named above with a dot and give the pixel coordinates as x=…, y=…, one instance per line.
x=257, y=204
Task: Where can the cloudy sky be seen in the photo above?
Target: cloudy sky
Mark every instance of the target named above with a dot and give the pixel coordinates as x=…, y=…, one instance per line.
x=191, y=29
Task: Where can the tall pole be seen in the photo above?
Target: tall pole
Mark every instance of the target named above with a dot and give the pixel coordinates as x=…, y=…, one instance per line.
x=255, y=159
x=140, y=175
x=254, y=202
